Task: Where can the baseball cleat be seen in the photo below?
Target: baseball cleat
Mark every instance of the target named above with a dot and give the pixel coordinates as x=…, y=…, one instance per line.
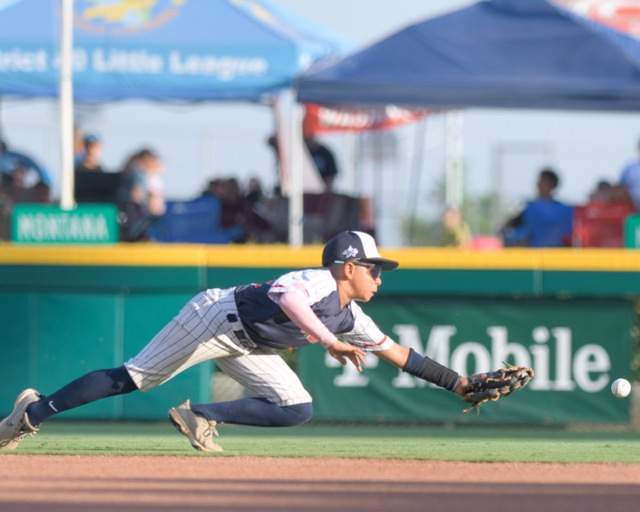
x=199, y=430
x=15, y=427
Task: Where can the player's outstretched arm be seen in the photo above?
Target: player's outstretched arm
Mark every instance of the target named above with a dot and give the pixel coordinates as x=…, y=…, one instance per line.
x=475, y=389
x=423, y=367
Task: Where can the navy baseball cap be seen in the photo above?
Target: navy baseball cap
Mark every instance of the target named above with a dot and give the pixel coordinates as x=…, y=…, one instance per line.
x=356, y=246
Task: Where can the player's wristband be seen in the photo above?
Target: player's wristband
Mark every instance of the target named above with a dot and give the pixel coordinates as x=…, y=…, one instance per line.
x=427, y=369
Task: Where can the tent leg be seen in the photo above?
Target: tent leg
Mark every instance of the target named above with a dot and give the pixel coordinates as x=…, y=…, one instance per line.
x=289, y=114
x=414, y=182
x=454, y=169
x=67, y=201
x=290, y=161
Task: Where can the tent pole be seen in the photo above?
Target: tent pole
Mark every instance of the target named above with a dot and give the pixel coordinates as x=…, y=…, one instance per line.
x=460, y=177
x=454, y=177
x=67, y=201
x=416, y=172
x=296, y=196
x=350, y=170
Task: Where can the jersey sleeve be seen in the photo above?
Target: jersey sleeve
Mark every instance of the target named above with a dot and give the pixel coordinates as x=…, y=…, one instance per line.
x=365, y=333
x=312, y=284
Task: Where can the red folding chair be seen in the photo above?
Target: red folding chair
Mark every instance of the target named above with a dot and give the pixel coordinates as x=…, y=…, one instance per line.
x=600, y=224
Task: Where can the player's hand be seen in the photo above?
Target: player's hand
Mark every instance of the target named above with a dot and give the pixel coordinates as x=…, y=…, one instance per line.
x=463, y=382
x=343, y=351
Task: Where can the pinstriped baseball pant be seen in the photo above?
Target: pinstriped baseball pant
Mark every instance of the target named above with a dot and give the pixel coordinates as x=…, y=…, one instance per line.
x=202, y=331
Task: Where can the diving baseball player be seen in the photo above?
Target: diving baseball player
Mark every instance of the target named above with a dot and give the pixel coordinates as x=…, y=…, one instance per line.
x=241, y=328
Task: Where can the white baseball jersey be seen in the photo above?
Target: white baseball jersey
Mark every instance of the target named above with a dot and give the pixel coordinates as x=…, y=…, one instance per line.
x=240, y=328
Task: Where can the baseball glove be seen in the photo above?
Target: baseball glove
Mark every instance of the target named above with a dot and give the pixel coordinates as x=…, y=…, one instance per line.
x=483, y=387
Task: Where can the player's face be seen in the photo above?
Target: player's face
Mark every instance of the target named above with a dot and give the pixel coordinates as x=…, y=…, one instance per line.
x=367, y=279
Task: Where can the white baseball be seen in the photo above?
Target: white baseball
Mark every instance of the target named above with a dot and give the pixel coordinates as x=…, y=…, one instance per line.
x=621, y=388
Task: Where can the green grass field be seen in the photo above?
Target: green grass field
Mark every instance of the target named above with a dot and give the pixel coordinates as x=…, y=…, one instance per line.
x=421, y=442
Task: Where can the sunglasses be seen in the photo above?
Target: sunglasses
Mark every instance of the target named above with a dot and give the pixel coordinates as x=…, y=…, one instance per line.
x=375, y=269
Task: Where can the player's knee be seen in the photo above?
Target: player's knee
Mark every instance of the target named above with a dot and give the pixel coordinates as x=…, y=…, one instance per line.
x=299, y=413
x=121, y=380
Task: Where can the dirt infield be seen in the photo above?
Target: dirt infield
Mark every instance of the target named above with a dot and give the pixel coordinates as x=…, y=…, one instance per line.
x=73, y=483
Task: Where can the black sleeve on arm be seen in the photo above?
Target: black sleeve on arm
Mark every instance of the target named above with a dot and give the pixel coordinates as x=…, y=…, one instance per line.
x=427, y=369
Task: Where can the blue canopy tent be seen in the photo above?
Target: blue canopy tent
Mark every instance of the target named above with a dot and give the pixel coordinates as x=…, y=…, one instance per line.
x=524, y=54
x=496, y=53
x=170, y=50
x=163, y=50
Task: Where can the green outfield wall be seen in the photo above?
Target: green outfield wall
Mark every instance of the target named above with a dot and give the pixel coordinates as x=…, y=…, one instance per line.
x=569, y=313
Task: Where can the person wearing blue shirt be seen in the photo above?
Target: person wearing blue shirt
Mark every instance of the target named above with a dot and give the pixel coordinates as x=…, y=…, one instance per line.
x=544, y=221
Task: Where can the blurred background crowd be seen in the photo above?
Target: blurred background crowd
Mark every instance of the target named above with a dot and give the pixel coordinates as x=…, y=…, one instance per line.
x=227, y=210
x=230, y=210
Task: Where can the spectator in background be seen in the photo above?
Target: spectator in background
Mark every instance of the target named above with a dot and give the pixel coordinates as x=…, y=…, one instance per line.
x=254, y=194
x=90, y=160
x=455, y=231
x=243, y=221
x=244, y=215
x=141, y=196
x=16, y=188
x=130, y=164
x=630, y=179
x=215, y=188
x=22, y=179
x=601, y=193
x=544, y=221
x=321, y=156
x=78, y=145
x=15, y=185
x=600, y=222
x=272, y=142
x=234, y=213
x=10, y=160
x=262, y=217
x=620, y=195
x=606, y=193
x=324, y=161
x=22, y=191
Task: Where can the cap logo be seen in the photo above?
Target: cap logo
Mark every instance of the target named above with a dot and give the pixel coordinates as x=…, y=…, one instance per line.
x=350, y=252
